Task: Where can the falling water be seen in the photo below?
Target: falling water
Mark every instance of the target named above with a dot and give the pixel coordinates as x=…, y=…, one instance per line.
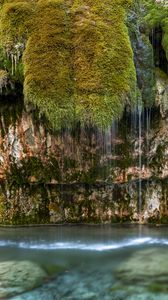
x=114, y=132
x=148, y=124
x=109, y=148
x=106, y=149
x=140, y=160
x=136, y=132
x=12, y=60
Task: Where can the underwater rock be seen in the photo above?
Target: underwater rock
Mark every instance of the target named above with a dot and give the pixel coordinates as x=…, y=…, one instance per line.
x=77, y=285
x=147, y=267
x=18, y=277
x=140, y=294
x=148, y=296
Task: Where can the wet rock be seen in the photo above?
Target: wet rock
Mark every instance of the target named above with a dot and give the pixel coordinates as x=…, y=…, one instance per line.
x=153, y=199
x=18, y=277
x=29, y=137
x=162, y=92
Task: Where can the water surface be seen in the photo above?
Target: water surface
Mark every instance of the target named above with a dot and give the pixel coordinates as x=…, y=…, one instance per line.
x=89, y=262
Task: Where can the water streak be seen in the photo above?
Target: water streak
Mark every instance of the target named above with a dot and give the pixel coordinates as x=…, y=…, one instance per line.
x=78, y=245
x=140, y=160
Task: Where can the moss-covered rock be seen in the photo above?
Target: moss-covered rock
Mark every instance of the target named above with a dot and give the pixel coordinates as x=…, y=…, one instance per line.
x=15, y=23
x=103, y=61
x=157, y=16
x=78, y=61
x=47, y=67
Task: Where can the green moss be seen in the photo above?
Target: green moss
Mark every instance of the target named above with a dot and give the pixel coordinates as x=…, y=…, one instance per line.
x=33, y=170
x=15, y=23
x=78, y=61
x=155, y=13
x=53, y=169
x=157, y=16
x=69, y=163
x=163, y=219
x=157, y=161
x=47, y=63
x=157, y=288
x=34, y=210
x=103, y=61
x=161, y=75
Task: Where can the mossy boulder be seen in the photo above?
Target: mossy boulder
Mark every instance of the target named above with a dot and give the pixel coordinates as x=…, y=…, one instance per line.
x=103, y=60
x=77, y=58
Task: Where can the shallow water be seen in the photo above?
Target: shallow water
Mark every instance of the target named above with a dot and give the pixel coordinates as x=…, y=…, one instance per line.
x=92, y=262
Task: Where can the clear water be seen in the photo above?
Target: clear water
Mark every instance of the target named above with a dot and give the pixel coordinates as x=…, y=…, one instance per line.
x=83, y=262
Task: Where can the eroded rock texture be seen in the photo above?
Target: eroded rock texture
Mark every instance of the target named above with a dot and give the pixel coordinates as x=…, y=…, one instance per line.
x=83, y=174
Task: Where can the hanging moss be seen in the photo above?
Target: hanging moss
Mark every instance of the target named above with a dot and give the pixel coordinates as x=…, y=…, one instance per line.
x=15, y=24
x=47, y=63
x=103, y=60
x=78, y=61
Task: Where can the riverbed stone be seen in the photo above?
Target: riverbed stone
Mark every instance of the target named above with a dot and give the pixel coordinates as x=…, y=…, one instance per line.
x=17, y=277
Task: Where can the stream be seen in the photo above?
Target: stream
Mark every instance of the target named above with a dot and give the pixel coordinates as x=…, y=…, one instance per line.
x=94, y=262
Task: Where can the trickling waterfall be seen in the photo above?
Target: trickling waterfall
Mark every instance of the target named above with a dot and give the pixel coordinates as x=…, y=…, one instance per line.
x=114, y=132
x=109, y=149
x=137, y=122
x=140, y=132
x=12, y=60
x=148, y=125
x=140, y=159
x=113, y=161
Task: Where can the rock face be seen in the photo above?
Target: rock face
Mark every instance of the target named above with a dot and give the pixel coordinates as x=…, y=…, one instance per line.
x=19, y=277
x=83, y=175
x=162, y=92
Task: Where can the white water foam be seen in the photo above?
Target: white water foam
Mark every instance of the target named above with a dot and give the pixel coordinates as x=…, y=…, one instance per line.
x=86, y=246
